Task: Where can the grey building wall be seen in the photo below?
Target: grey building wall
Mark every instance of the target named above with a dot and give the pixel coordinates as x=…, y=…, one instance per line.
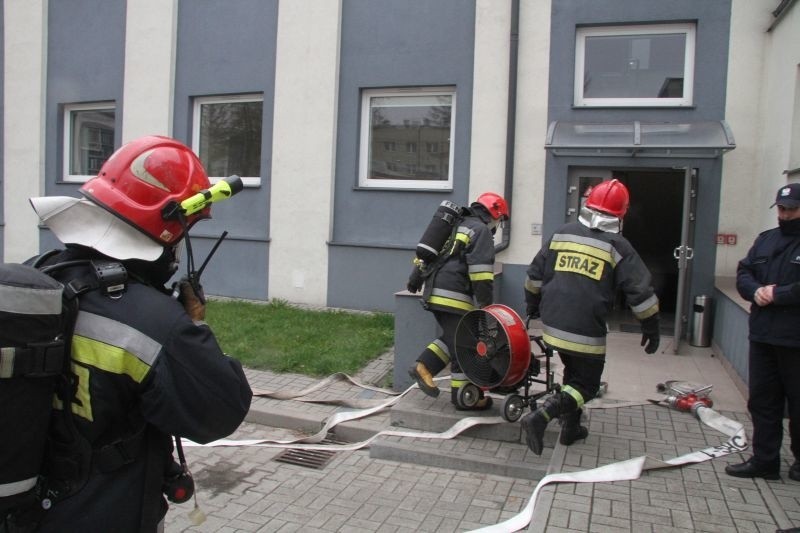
x=228, y=48
x=713, y=21
x=731, y=332
x=2, y=143
x=85, y=63
x=393, y=44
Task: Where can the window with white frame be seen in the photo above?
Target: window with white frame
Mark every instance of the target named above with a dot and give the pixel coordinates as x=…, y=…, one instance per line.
x=88, y=139
x=413, y=117
x=635, y=66
x=226, y=136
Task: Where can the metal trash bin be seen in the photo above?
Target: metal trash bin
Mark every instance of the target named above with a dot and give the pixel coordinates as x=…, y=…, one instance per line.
x=700, y=333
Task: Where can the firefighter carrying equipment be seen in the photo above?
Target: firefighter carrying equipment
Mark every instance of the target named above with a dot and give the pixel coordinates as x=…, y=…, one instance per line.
x=583, y=268
x=436, y=243
x=435, y=236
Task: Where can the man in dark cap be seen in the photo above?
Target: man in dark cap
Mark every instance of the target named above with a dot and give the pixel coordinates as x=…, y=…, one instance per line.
x=769, y=277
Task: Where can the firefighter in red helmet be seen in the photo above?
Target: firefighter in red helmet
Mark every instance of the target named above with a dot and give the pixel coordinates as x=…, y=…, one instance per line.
x=461, y=281
x=571, y=285
x=146, y=366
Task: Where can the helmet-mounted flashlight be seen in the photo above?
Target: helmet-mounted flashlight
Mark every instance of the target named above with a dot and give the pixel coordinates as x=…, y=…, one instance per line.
x=222, y=190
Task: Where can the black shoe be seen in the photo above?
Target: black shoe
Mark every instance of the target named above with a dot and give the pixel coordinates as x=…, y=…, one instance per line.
x=571, y=428
x=794, y=471
x=570, y=434
x=751, y=469
x=534, y=425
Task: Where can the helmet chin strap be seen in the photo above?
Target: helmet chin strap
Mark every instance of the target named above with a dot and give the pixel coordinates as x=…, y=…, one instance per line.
x=188, y=241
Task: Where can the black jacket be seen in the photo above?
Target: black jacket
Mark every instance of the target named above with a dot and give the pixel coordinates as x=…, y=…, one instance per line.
x=142, y=366
x=774, y=258
x=466, y=279
x=572, y=283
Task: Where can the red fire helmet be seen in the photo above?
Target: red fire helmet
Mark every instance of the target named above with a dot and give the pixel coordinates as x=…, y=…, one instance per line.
x=609, y=197
x=142, y=177
x=495, y=204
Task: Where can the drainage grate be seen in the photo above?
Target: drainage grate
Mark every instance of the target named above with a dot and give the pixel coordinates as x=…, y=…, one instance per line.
x=316, y=459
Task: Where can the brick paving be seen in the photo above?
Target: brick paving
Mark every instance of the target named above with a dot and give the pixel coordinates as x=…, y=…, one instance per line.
x=245, y=489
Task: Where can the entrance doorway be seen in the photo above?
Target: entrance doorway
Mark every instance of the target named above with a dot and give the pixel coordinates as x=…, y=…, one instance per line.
x=654, y=226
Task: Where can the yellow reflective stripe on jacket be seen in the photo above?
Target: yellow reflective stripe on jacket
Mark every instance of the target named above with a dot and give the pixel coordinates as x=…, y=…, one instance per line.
x=481, y=272
x=116, y=334
x=571, y=342
x=594, y=247
x=449, y=302
x=109, y=358
x=533, y=286
x=453, y=299
x=646, y=309
x=111, y=346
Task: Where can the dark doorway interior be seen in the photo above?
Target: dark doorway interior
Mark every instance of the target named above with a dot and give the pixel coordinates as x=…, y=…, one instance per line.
x=653, y=226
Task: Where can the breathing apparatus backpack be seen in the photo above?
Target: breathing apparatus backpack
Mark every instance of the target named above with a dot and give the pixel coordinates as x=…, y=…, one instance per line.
x=436, y=243
x=37, y=319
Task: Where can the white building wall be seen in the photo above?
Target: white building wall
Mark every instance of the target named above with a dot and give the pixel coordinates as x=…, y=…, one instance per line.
x=25, y=70
x=490, y=97
x=531, y=125
x=762, y=79
x=304, y=149
x=781, y=63
x=150, y=41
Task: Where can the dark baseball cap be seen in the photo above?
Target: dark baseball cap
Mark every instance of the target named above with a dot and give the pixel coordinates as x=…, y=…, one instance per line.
x=788, y=196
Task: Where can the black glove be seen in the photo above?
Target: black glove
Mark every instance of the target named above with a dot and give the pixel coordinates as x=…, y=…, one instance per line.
x=650, y=334
x=415, y=280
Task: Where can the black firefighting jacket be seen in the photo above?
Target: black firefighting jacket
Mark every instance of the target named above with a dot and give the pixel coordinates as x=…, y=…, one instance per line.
x=774, y=258
x=466, y=279
x=144, y=371
x=572, y=282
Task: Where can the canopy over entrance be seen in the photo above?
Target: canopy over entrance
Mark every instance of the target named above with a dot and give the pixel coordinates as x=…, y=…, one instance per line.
x=705, y=139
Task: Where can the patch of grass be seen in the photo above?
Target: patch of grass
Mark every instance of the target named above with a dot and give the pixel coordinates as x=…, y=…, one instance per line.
x=280, y=337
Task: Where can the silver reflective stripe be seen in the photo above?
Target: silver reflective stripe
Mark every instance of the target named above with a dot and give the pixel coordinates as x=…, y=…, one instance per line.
x=115, y=333
x=442, y=346
x=426, y=247
x=480, y=268
x=17, y=487
x=645, y=305
x=452, y=295
x=533, y=285
x=7, y=362
x=28, y=301
x=572, y=337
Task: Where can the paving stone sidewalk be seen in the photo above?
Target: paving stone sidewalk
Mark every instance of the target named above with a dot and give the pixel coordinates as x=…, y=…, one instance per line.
x=246, y=489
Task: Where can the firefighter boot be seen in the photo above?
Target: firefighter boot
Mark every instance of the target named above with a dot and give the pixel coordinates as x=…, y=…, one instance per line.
x=536, y=422
x=571, y=428
x=424, y=379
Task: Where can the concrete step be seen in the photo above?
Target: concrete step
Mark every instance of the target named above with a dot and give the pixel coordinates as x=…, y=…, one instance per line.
x=498, y=449
x=420, y=412
x=465, y=454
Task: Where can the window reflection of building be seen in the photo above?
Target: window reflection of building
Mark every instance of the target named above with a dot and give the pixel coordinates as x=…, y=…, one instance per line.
x=91, y=138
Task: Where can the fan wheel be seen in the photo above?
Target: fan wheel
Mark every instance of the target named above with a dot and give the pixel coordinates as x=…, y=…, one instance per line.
x=468, y=396
x=513, y=407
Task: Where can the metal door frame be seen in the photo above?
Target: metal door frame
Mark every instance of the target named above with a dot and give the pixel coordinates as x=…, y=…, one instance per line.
x=684, y=253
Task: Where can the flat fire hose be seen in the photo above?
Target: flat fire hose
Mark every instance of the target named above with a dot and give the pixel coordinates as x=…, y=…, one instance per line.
x=311, y=442
x=632, y=468
x=621, y=471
